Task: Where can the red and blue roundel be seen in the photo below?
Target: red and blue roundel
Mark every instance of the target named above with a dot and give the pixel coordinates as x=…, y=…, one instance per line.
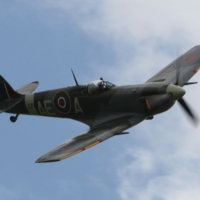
x=62, y=102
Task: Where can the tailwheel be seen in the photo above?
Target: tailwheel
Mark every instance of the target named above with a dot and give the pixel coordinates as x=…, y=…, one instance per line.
x=14, y=118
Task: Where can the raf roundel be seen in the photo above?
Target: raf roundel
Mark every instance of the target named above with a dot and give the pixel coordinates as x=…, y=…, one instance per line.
x=62, y=102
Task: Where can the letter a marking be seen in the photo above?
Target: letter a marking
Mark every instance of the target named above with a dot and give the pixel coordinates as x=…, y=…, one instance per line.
x=77, y=106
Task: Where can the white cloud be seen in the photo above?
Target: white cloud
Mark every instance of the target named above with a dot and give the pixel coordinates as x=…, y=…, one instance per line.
x=164, y=165
x=131, y=21
x=144, y=35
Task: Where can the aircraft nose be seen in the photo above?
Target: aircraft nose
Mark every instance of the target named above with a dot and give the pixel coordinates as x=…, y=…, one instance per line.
x=176, y=90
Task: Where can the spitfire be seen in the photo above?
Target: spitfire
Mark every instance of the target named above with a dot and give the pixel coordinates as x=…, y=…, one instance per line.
x=107, y=109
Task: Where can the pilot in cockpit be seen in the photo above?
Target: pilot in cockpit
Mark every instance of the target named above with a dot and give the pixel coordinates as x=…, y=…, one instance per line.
x=99, y=86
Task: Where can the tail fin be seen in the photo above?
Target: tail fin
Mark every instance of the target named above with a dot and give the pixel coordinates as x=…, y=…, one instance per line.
x=8, y=97
x=6, y=91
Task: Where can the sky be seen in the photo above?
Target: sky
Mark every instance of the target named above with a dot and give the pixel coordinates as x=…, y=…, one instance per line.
x=125, y=42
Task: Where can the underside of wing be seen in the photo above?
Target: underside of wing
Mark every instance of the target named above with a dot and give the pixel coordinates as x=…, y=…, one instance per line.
x=90, y=138
x=186, y=66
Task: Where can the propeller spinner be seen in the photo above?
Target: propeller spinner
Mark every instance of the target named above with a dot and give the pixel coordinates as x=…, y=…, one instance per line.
x=178, y=92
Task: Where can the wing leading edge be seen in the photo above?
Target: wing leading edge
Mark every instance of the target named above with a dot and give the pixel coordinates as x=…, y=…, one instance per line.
x=90, y=138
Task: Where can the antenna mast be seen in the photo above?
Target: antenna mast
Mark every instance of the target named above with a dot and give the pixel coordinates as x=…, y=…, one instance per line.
x=74, y=78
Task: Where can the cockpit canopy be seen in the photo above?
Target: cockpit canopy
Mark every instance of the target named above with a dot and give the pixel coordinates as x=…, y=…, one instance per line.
x=99, y=86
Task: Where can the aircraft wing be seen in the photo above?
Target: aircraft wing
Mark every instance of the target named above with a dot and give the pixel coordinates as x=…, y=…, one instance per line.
x=91, y=138
x=186, y=66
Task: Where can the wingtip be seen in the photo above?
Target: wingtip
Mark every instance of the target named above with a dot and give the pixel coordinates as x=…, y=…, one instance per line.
x=39, y=160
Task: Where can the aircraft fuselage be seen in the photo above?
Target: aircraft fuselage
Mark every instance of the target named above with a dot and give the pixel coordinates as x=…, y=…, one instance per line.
x=75, y=103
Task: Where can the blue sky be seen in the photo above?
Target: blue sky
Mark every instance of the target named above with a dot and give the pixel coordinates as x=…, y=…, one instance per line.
x=125, y=42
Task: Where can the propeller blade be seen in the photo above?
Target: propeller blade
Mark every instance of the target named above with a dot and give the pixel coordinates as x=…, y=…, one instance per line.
x=188, y=110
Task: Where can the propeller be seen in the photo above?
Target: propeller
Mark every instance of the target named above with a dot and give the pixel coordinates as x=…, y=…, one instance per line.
x=181, y=101
x=188, y=110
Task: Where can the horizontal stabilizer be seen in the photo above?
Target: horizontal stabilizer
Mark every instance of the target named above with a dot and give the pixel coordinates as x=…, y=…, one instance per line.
x=6, y=105
x=29, y=88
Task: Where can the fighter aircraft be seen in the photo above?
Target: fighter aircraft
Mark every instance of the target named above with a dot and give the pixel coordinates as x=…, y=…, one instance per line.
x=107, y=109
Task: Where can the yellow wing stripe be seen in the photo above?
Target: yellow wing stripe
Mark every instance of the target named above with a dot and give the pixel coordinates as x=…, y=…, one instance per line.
x=80, y=150
x=91, y=145
x=196, y=70
x=72, y=154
